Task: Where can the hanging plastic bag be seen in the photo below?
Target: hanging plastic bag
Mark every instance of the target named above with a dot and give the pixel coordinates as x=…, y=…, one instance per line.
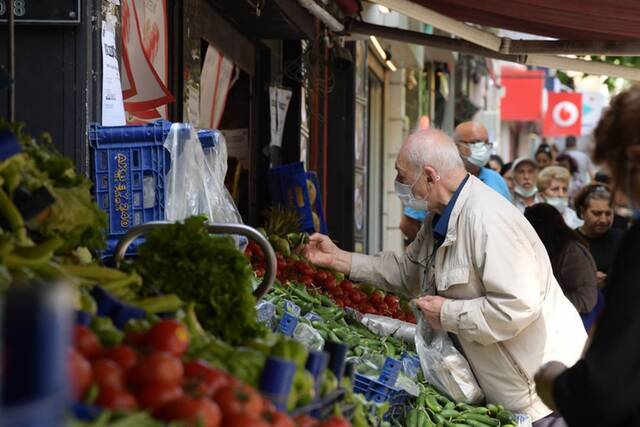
x=195, y=182
x=445, y=367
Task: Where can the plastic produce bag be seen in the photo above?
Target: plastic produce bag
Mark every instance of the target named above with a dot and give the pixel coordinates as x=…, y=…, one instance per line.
x=308, y=336
x=266, y=313
x=195, y=181
x=445, y=368
x=386, y=326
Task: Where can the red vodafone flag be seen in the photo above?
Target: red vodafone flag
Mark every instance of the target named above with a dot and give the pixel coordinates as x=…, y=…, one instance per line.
x=564, y=114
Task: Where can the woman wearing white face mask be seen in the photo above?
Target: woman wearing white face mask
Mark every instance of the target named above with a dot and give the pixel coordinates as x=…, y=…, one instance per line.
x=553, y=186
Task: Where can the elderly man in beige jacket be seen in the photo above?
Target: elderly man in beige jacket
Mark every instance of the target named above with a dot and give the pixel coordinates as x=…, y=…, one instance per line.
x=478, y=270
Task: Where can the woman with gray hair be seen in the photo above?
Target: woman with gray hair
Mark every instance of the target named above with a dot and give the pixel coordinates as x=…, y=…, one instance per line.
x=553, y=187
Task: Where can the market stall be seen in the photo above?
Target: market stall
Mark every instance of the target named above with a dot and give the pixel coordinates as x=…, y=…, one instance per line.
x=192, y=323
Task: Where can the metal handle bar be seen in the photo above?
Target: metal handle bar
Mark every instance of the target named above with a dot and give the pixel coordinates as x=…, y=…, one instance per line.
x=245, y=230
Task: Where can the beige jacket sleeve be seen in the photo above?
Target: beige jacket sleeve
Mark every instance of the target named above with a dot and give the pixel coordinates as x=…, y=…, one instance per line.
x=391, y=272
x=506, y=263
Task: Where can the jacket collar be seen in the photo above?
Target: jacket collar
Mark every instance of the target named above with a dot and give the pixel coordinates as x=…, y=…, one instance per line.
x=463, y=196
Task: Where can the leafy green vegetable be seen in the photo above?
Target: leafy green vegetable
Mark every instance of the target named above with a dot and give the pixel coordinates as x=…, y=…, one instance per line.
x=185, y=260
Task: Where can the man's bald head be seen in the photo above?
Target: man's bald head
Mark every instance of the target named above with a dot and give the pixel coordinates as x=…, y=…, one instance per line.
x=430, y=147
x=471, y=131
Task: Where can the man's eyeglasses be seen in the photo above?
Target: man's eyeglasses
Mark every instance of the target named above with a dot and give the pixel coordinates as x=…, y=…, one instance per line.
x=476, y=141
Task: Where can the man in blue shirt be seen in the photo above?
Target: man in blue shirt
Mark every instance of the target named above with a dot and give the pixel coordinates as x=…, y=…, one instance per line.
x=472, y=140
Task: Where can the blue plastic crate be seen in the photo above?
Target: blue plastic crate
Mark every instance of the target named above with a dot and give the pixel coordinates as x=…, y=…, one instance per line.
x=288, y=187
x=122, y=158
x=374, y=390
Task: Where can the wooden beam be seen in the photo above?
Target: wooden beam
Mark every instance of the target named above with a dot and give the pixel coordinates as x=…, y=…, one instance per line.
x=416, y=37
x=570, y=47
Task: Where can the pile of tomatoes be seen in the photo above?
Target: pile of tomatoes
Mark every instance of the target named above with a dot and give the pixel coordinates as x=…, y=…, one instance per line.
x=344, y=293
x=148, y=372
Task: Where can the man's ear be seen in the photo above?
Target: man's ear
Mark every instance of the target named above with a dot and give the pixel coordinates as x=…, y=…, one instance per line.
x=431, y=174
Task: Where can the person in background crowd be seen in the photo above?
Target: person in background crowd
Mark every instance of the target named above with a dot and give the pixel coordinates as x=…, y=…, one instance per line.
x=410, y=223
x=496, y=163
x=622, y=213
x=594, y=206
x=472, y=140
x=494, y=282
x=568, y=162
x=603, y=387
x=573, y=265
x=507, y=174
x=544, y=156
x=553, y=187
x=525, y=175
x=586, y=170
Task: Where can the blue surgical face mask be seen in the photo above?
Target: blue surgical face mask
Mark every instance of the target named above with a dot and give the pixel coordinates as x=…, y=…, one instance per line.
x=406, y=196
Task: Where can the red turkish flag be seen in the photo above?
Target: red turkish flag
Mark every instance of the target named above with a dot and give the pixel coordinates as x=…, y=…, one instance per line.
x=564, y=114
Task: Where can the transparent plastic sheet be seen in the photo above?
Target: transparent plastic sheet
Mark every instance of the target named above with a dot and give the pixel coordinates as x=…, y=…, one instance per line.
x=386, y=326
x=445, y=367
x=266, y=313
x=195, y=182
x=308, y=336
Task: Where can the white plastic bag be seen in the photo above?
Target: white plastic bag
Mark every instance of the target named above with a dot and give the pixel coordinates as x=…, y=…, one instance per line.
x=195, y=182
x=445, y=368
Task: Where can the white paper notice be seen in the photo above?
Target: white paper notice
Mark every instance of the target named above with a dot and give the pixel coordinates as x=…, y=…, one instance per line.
x=238, y=145
x=279, y=104
x=112, y=105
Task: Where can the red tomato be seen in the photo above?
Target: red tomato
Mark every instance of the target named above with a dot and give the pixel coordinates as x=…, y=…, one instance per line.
x=410, y=317
x=154, y=395
x=278, y=419
x=392, y=301
x=115, y=398
x=320, y=277
x=123, y=355
x=367, y=308
x=306, y=421
x=337, y=293
x=243, y=399
x=335, y=422
x=376, y=297
x=157, y=367
x=260, y=272
x=203, y=380
x=244, y=420
x=86, y=342
x=135, y=339
x=192, y=411
x=339, y=302
x=80, y=374
x=383, y=308
x=170, y=336
x=355, y=296
x=107, y=373
x=347, y=286
x=400, y=316
x=331, y=284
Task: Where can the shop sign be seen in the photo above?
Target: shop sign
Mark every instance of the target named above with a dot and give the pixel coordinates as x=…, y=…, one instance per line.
x=42, y=12
x=564, y=114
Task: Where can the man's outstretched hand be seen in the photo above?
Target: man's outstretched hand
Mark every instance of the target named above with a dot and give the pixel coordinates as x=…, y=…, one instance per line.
x=322, y=252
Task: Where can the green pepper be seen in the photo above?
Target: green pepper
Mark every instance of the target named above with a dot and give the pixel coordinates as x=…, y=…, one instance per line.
x=412, y=418
x=291, y=350
x=13, y=217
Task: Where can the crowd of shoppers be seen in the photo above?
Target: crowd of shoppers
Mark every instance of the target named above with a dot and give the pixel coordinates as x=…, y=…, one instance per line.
x=584, y=243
